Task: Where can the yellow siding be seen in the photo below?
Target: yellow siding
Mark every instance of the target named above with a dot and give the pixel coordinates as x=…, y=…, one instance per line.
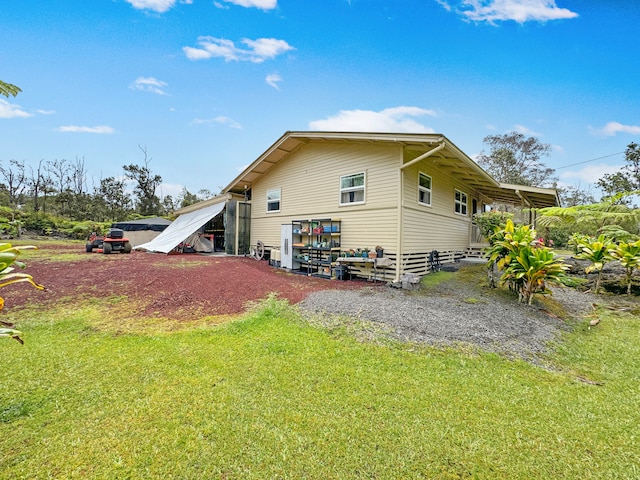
x=309, y=181
x=435, y=227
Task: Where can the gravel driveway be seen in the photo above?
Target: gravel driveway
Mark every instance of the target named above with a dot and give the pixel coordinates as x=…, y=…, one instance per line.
x=455, y=311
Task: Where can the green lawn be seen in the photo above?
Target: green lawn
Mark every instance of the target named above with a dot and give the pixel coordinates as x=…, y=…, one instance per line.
x=271, y=396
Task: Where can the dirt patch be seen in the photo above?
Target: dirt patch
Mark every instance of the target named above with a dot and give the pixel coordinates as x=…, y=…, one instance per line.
x=181, y=287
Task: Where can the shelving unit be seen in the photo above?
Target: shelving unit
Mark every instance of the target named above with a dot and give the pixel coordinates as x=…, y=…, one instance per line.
x=315, y=246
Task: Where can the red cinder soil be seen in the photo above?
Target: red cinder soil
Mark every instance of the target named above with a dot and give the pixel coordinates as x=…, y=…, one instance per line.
x=157, y=285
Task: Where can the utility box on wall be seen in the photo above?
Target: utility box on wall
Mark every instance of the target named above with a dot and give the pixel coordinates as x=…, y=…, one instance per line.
x=286, y=254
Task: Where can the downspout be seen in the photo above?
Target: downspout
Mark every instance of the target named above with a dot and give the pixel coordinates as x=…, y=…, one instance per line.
x=399, y=239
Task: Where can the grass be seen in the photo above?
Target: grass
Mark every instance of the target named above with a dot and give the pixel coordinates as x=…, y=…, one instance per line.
x=272, y=396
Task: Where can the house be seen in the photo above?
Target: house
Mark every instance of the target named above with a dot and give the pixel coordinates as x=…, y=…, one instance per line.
x=409, y=193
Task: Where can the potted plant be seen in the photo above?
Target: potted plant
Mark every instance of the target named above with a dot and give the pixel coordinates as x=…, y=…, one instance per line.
x=379, y=251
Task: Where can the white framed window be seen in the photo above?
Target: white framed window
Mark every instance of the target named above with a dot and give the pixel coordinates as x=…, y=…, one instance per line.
x=273, y=200
x=352, y=189
x=424, y=189
x=460, y=202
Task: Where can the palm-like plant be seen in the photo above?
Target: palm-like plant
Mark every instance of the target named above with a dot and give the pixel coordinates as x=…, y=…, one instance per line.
x=628, y=254
x=8, y=259
x=530, y=270
x=598, y=252
x=527, y=264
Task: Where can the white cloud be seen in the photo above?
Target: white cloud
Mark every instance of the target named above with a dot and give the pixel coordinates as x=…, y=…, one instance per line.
x=11, y=110
x=397, y=119
x=590, y=173
x=46, y=112
x=149, y=84
x=158, y=6
x=273, y=80
x=258, y=50
x=261, y=4
x=612, y=128
x=222, y=120
x=519, y=11
x=526, y=131
x=173, y=189
x=102, y=129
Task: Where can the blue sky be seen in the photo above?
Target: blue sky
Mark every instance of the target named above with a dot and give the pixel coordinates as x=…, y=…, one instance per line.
x=206, y=86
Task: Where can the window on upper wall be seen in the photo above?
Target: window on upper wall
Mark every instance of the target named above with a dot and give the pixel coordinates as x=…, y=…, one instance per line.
x=424, y=189
x=273, y=200
x=352, y=189
x=460, y=202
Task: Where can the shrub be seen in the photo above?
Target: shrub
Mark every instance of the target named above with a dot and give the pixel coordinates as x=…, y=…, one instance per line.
x=598, y=252
x=527, y=264
x=628, y=254
x=489, y=221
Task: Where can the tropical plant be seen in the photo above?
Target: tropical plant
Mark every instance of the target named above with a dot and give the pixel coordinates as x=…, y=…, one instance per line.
x=598, y=252
x=7, y=89
x=628, y=254
x=527, y=264
x=489, y=221
x=8, y=259
x=594, y=219
x=577, y=240
x=531, y=269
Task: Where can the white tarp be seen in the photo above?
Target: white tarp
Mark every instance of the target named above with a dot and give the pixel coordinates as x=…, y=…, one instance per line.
x=181, y=228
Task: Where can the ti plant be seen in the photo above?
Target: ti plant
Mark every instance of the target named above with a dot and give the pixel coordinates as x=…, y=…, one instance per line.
x=530, y=269
x=628, y=254
x=8, y=262
x=598, y=252
x=526, y=264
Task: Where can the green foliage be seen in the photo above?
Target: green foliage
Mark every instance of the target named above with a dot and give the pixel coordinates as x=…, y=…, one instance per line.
x=628, y=254
x=516, y=159
x=39, y=222
x=82, y=230
x=620, y=183
x=526, y=264
x=617, y=221
x=8, y=276
x=8, y=89
x=531, y=269
x=559, y=235
x=489, y=221
x=598, y=252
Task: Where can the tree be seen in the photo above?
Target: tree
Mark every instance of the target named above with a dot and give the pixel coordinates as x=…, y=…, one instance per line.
x=15, y=180
x=8, y=89
x=113, y=196
x=594, y=219
x=37, y=183
x=627, y=179
x=168, y=204
x=187, y=198
x=58, y=170
x=145, y=187
x=513, y=158
x=79, y=177
x=573, y=195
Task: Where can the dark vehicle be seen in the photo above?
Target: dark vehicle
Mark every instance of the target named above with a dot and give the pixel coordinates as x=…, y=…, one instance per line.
x=113, y=242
